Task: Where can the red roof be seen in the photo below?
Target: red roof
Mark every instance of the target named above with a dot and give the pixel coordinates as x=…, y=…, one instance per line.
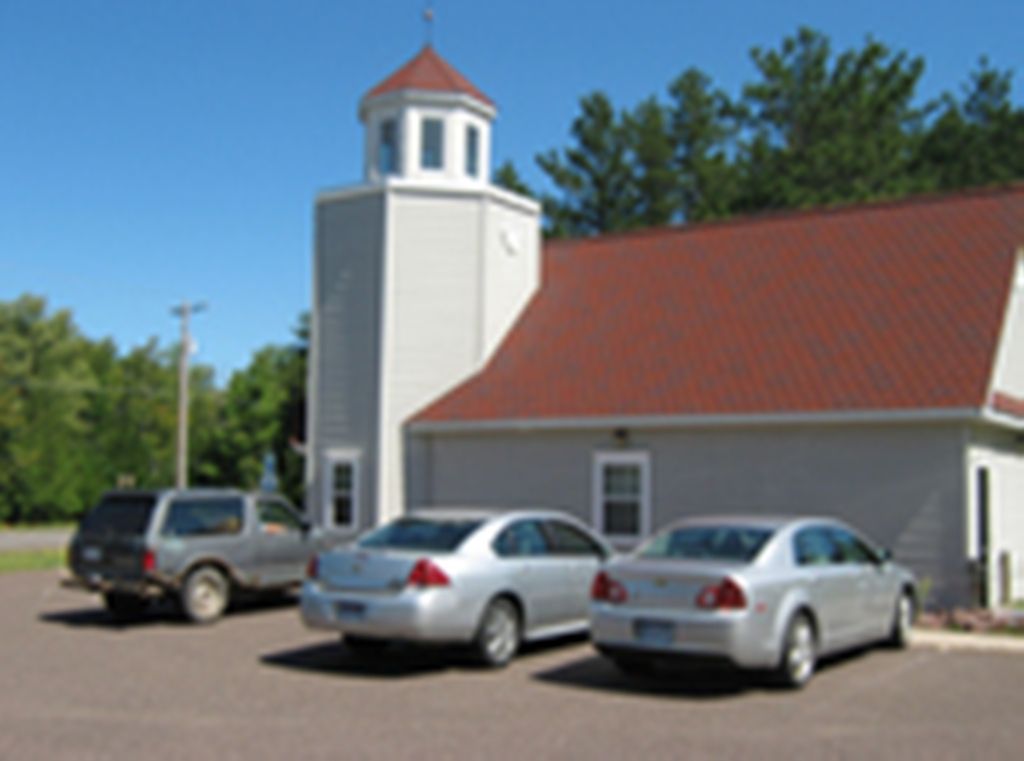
x=428, y=71
x=891, y=306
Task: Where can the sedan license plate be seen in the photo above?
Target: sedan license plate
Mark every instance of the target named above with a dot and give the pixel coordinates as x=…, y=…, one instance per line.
x=654, y=632
x=350, y=610
x=92, y=554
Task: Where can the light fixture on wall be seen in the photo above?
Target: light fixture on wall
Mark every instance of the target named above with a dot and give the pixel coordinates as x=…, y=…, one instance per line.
x=621, y=436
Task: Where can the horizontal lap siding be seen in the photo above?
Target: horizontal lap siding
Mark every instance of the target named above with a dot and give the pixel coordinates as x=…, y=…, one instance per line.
x=903, y=485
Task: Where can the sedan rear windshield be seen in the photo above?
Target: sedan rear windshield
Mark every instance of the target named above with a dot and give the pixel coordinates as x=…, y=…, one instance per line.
x=420, y=534
x=725, y=543
x=120, y=515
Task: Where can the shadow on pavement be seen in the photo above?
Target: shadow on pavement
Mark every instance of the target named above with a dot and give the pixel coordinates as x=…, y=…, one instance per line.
x=687, y=682
x=597, y=673
x=396, y=661
x=159, y=612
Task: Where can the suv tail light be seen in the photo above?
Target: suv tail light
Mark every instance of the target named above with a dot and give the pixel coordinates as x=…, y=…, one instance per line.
x=313, y=567
x=606, y=589
x=426, y=574
x=148, y=561
x=725, y=595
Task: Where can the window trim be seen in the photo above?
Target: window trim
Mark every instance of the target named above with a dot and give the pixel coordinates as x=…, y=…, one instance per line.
x=602, y=459
x=331, y=459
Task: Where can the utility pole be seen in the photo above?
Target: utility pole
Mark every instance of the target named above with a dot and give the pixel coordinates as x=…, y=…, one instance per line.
x=185, y=311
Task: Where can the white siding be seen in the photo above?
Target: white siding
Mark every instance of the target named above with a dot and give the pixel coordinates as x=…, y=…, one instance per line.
x=343, y=411
x=1009, y=369
x=901, y=484
x=1003, y=457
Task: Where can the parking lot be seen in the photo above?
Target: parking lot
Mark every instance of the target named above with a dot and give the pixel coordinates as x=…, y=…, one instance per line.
x=259, y=686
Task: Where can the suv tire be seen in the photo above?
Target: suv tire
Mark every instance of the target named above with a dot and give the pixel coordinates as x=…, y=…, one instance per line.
x=205, y=595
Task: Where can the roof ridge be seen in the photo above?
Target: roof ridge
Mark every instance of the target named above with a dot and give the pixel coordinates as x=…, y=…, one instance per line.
x=781, y=215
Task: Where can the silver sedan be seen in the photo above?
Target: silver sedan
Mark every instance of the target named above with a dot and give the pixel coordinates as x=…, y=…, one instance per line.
x=458, y=576
x=758, y=593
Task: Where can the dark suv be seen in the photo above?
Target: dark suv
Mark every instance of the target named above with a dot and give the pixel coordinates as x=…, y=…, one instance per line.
x=196, y=545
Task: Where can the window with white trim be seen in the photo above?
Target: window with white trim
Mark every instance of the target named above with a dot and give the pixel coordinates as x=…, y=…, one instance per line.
x=341, y=490
x=622, y=494
x=387, y=147
x=432, y=144
x=472, y=151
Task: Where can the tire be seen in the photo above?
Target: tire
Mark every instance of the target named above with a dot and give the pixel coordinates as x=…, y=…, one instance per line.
x=124, y=606
x=799, y=656
x=902, y=621
x=499, y=633
x=205, y=595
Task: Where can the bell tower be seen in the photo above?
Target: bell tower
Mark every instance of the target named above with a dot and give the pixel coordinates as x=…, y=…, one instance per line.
x=419, y=272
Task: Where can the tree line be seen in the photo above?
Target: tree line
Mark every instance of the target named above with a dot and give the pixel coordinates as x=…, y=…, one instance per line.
x=77, y=417
x=814, y=128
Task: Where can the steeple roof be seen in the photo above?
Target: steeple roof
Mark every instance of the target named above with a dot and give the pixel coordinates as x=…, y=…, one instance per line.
x=428, y=71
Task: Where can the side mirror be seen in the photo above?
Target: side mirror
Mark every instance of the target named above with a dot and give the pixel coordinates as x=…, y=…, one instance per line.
x=884, y=555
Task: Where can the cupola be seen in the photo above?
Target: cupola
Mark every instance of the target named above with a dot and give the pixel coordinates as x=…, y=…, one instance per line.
x=427, y=122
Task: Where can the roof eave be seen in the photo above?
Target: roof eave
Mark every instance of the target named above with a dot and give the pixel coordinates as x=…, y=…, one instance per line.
x=831, y=417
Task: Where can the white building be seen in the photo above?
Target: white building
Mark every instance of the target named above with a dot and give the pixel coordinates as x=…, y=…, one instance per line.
x=865, y=362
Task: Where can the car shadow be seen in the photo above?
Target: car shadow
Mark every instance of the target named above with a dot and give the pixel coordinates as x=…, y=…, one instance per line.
x=333, y=658
x=159, y=613
x=595, y=672
x=397, y=661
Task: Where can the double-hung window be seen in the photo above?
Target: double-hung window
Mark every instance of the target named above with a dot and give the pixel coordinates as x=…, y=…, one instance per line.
x=621, y=494
x=341, y=490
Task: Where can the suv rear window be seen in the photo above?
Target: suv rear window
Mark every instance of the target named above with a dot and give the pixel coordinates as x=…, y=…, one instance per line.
x=420, y=534
x=121, y=515
x=725, y=543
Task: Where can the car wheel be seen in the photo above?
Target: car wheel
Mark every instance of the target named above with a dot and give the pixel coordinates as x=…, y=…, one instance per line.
x=497, y=639
x=123, y=606
x=205, y=595
x=903, y=620
x=799, y=653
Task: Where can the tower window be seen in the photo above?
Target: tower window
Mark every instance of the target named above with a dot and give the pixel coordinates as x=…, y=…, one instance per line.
x=387, y=149
x=432, y=147
x=472, y=151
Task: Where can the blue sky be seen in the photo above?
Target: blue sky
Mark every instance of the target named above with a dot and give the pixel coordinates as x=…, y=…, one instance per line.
x=159, y=150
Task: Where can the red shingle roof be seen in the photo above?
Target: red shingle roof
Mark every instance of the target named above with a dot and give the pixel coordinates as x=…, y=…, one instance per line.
x=892, y=306
x=428, y=71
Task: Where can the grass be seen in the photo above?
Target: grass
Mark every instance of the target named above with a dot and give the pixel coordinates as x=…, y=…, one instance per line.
x=31, y=560
x=36, y=526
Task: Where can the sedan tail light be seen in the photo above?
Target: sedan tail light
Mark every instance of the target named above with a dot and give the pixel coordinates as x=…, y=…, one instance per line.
x=148, y=561
x=606, y=589
x=725, y=595
x=313, y=567
x=426, y=574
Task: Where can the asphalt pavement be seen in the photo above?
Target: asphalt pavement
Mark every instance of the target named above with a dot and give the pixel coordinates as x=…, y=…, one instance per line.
x=257, y=685
x=33, y=539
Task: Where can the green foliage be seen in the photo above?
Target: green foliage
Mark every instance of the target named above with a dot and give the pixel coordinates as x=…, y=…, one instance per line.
x=506, y=176
x=77, y=418
x=594, y=175
x=814, y=128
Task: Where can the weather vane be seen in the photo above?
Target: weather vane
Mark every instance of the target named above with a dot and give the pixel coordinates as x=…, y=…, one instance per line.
x=428, y=21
